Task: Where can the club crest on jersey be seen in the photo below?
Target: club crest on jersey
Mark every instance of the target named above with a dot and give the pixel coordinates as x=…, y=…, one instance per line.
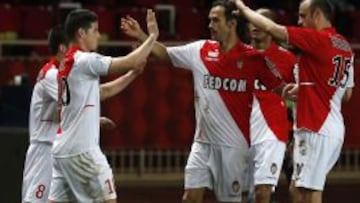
x=235, y=186
x=239, y=64
x=302, y=147
x=273, y=168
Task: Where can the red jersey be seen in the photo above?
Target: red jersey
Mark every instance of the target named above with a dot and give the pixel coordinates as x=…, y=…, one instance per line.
x=325, y=71
x=269, y=114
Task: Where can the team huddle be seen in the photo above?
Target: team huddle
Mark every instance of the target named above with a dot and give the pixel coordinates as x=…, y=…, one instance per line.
x=240, y=105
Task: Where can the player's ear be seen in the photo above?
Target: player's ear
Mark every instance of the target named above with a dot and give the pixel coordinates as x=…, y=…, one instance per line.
x=81, y=32
x=62, y=48
x=232, y=23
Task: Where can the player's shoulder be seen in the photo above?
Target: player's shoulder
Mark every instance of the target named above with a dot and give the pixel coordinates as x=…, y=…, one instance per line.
x=251, y=53
x=49, y=69
x=211, y=44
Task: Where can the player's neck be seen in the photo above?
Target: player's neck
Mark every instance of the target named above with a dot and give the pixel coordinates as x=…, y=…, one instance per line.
x=80, y=45
x=59, y=57
x=261, y=44
x=323, y=25
x=229, y=43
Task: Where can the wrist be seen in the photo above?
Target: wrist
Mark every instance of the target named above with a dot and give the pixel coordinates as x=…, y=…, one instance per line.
x=142, y=37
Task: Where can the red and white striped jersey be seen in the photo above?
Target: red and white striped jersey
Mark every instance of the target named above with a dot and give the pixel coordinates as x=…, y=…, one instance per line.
x=79, y=98
x=223, y=84
x=269, y=119
x=325, y=71
x=43, y=107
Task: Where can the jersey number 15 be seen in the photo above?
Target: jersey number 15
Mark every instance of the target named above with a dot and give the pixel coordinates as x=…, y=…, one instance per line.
x=341, y=72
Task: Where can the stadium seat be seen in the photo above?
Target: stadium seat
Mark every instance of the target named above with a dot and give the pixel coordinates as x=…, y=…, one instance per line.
x=13, y=68
x=33, y=67
x=107, y=21
x=191, y=18
x=138, y=129
x=183, y=131
x=33, y=28
x=10, y=28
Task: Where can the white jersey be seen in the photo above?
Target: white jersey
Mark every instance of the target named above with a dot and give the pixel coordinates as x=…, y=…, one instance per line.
x=223, y=85
x=43, y=107
x=80, y=102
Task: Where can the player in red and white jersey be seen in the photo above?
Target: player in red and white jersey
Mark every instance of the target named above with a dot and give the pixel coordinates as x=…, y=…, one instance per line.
x=224, y=70
x=81, y=172
x=268, y=129
x=325, y=80
x=43, y=123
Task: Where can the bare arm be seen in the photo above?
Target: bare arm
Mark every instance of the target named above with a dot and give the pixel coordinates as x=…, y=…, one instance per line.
x=139, y=55
x=132, y=28
x=114, y=87
x=277, y=31
x=347, y=95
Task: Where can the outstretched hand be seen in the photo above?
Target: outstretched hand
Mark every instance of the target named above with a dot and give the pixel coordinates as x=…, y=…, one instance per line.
x=152, y=25
x=131, y=27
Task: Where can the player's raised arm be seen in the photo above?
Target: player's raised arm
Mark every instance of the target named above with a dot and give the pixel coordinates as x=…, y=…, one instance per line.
x=139, y=55
x=114, y=87
x=131, y=27
x=277, y=31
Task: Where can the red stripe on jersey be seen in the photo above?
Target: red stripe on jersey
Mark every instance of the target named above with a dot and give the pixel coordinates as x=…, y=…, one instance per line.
x=272, y=105
x=64, y=71
x=46, y=68
x=241, y=64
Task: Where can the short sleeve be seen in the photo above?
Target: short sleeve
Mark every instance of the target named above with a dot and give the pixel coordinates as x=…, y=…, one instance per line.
x=98, y=64
x=307, y=40
x=51, y=84
x=183, y=56
x=351, y=83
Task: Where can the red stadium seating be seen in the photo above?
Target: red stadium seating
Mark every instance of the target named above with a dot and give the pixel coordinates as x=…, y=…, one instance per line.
x=34, y=28
x=10, y=18
x=191, y=23
x=32, y=69
x=108, y=24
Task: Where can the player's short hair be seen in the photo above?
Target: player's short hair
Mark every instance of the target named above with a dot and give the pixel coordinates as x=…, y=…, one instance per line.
x=229, y=7
x=56, y=37
x=267, y=13
x=326, y=6
x=79, y=18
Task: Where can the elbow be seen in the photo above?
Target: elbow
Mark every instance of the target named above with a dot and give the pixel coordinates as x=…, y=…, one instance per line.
x=347, y=95
x=103, y=93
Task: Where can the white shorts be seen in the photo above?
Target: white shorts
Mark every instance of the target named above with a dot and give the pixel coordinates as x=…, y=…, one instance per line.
x=266, y=159
x=37, y=173
x=83, y=178
x=218, y=168
x=314, y=156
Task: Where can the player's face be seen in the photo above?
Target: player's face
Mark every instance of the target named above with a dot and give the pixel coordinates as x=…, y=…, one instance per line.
x=305, y=17
x=256, y=33
x=91, y=36
x=218, y=26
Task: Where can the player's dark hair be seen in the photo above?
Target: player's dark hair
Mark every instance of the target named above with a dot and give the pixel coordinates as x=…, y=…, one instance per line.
x=56, y=37
x=79, y=18
x=229, y=7
x=267, y=13
x=326, y=6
